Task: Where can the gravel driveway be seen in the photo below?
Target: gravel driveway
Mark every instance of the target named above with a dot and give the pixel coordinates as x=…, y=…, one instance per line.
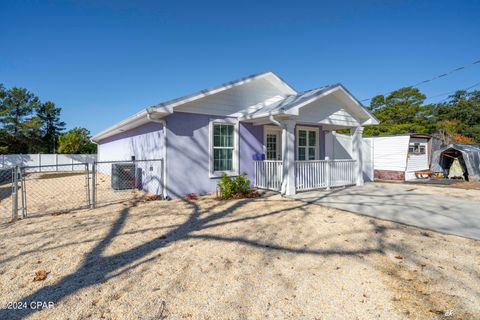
x=449, y=210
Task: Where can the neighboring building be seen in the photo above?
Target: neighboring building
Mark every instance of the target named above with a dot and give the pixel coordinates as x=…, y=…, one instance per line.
x=399, y=157
x=259, y=125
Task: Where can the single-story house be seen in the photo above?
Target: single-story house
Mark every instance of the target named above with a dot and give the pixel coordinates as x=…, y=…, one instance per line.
x=258, y=124
x=399, y=157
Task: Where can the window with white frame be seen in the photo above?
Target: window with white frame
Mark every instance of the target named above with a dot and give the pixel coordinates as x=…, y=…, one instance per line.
x=223, y=147
x=307, y=143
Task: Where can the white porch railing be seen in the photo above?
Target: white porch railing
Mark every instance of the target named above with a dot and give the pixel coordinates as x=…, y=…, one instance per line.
x=315, y=174
x=342, y=173
x=309, y=175
x=268, y=174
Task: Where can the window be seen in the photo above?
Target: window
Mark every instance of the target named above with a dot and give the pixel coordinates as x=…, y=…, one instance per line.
x=416, y=148
x=223, y=147
x=307, y=145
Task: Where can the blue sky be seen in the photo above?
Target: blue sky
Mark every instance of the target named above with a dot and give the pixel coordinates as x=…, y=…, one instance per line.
x=102, y=61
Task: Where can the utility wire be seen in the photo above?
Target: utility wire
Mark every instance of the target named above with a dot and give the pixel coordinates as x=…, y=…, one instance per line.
x=434, y=78
x=449, y=93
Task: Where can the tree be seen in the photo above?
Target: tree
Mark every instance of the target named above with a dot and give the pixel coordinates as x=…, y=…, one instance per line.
x=50, y=124
x=76, y=140
x=461, y=113
x=400, y=112
x=18, y=120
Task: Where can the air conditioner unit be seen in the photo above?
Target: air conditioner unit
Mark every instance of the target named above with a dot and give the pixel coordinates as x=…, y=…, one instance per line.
x=123, y=176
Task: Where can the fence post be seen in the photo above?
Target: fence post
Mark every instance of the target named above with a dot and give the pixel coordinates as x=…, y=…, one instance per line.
x=94, y=187
x=56, y=161
x=327, y=172
x=87, y=181
x=40, y=162
x=24, y=194
x=15, y=194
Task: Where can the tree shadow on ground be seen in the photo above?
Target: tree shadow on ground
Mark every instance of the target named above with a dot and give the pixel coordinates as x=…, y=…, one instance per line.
x=97, y=268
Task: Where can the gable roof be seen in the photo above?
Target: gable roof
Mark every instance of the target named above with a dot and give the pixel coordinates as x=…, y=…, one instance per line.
x=165, y=108
x=289, y=102
x=168, y=105
x=301, y=99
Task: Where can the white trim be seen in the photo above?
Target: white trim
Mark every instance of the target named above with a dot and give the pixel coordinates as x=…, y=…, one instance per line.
x=166, y=108
x=317, y=147
x=274, y=129
x=235, y=155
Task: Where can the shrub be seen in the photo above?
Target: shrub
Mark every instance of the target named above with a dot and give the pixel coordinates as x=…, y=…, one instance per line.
x=238, y=187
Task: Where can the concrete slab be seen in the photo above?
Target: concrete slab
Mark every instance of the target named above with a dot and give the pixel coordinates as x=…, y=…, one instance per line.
x=401, y=203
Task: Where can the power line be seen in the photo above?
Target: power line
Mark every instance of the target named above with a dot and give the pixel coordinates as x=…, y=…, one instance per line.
x=449, y=93
x=434, y=78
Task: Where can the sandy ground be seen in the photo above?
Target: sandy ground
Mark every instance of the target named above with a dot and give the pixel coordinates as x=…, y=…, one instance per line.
x=265, y=258
x=451, y=191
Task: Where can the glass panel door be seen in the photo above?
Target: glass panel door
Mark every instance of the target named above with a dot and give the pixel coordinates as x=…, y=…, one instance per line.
x=273, y=145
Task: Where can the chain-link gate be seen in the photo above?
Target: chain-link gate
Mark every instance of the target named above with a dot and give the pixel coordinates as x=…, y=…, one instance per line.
x=6, y=193
x=118, y=181
x=53, y=189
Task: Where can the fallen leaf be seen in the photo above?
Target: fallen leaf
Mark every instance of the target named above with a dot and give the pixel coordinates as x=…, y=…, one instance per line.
x=40, y=275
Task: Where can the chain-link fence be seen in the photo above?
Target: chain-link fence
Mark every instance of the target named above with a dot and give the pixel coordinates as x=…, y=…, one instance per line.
x=6, y=185
x=117, y=181
x=31, y=190
x=54, y=189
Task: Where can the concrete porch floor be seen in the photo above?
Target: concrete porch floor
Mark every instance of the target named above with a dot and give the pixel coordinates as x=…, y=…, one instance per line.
x=408, y=204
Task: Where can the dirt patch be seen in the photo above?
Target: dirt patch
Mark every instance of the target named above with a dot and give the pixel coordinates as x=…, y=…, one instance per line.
x=451, y=191
x=262, y=258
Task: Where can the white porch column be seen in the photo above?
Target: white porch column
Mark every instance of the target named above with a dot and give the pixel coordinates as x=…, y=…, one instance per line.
x=288, y=141
x=357, y=142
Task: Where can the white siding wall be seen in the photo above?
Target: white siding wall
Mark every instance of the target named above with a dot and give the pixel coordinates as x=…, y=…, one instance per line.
x=390, y=153
x=328, y=110
x=230, y=101
x=416, y=162
x=339, y=146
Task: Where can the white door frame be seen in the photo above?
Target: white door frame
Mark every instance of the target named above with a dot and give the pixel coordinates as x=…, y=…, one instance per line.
x=272, y=130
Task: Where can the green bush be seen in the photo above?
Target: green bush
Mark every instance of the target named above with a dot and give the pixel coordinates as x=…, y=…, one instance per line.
x=238, y=186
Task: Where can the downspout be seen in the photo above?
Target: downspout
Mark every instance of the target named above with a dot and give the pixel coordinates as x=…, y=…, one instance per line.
x=164, y=153
x=284, y=151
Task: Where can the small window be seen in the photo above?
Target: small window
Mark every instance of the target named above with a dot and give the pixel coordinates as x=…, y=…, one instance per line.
x=307, y=144
x=416, y=148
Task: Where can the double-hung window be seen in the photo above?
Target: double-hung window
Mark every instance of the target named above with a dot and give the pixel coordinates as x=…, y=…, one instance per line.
x=223, y=147
x=307, y=143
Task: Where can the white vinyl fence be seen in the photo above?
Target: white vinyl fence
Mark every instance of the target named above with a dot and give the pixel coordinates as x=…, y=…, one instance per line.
x=324, y=174
x=56, y=162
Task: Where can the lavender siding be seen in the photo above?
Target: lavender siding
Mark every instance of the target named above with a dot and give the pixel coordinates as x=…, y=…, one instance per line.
x=188, y=154
x=144, y=142
x=187, y=150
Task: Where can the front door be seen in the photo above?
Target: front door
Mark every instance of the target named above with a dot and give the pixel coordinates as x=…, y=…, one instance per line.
x=273, y=145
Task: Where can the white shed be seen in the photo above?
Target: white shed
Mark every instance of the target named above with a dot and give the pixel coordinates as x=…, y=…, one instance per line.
x=399, y=157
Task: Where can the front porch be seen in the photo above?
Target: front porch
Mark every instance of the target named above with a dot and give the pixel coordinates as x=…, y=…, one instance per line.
x=296, y=132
